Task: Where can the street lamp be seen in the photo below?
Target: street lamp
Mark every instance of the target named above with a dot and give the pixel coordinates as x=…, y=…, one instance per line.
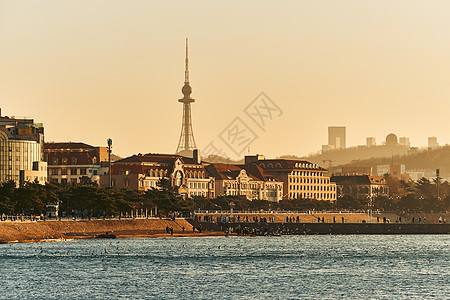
x=109, y=141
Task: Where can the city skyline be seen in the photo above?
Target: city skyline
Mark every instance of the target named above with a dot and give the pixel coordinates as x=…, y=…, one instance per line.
x=374, y=68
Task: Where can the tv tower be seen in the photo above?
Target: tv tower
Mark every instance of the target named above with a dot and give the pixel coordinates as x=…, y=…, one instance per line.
x=187, y=142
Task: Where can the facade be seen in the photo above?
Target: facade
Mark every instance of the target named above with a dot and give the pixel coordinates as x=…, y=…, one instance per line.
x=69, y=162
x=21, y=145
x=38, y=174
x=143, y=171
x=404, y=141
x=371, y=142
x=301, y=179
x=361, y=187
x=395, y=171
x=248, y=181
x=337, y=137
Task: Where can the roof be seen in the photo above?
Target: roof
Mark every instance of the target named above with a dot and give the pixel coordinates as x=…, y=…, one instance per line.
x=288, y=164
x=67, y=146
x=156, y=158
x=358, y=180
x=259, y=173
x=231, y=172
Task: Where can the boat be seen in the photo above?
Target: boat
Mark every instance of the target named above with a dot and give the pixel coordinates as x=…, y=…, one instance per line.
x=106, y=235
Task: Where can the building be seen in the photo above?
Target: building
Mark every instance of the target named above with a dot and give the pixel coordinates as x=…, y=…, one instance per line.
x=249, y=181
x=404, y=141
x=395, y=171
x=433, y=142
x=337, y=136
x=187, y=176
x=37, y=175
x=301, y=179
x=357, y=171
x=71, y=161
x=21, y=146
x=361, y=187
x=370, y=142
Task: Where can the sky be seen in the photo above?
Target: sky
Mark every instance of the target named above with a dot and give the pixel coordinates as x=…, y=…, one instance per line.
x=92, y=70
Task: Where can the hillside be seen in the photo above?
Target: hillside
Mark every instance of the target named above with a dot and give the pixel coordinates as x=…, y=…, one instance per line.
x=425, y=159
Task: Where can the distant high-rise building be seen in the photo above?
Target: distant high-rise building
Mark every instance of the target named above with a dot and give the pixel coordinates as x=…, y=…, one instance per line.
x=337, y=136
x=370, y=142
x=404, y=141
x=186, y=145
x=433, y=142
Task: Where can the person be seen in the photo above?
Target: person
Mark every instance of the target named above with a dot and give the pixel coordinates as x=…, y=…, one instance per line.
x=334, y=219
x=182, y=228
x=171, y=230
x=323, y=219
x=318, y=219
x=378, y=219
x=343, y=220
x=413, y=219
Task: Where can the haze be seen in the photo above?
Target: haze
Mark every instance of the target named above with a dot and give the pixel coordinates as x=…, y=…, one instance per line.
x=90, y=70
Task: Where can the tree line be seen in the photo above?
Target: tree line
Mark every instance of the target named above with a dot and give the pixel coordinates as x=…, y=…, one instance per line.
x=88, y=199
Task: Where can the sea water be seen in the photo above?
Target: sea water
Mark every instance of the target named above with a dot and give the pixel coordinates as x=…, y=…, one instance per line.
x=287, y=267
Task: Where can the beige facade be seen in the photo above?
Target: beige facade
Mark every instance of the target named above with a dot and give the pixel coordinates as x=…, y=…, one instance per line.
x=361, y=187
x=38, y=174
x=301, y=179
x=142, y=172
x=250, y=182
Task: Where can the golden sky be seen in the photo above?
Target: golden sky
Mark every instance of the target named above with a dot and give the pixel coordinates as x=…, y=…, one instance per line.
x=90, y=70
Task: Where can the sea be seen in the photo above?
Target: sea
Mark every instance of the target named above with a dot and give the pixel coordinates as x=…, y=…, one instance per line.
x=285, y=267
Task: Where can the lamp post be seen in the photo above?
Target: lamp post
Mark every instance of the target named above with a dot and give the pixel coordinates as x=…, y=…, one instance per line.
x=109, y=141
x=438, y=181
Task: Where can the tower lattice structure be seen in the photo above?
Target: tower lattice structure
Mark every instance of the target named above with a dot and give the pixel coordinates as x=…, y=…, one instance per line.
x=187, y=142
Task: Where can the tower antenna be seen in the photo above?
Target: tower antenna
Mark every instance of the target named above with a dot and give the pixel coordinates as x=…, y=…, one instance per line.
x=186, y=72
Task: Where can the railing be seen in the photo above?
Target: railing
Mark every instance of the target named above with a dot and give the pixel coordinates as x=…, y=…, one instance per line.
x=309, y=212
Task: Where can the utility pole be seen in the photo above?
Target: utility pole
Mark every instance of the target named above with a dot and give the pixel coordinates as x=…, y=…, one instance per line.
x=109, y=141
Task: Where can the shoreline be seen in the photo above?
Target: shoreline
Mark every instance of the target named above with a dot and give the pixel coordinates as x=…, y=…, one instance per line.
x=52, y=231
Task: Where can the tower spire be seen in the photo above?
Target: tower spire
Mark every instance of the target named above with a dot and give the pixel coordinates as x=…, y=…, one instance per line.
x=186, y=71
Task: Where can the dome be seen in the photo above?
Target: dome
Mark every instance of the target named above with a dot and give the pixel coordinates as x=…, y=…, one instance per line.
x=186, y=90
x=391, y=139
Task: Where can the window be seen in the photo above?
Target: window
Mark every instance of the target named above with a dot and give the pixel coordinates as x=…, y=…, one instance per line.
x=73, y=172
x=82, y=171
x=64, y=172
x=54, y=171
x=55, y=160
x=74, y=160
x=64, y=161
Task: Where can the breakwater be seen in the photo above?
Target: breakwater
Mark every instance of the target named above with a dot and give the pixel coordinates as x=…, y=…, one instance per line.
x=326, y=228
x=28, y=231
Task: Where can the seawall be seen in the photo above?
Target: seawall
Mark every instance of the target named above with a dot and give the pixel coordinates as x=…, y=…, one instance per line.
x=44, y=230
x=329, y=228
